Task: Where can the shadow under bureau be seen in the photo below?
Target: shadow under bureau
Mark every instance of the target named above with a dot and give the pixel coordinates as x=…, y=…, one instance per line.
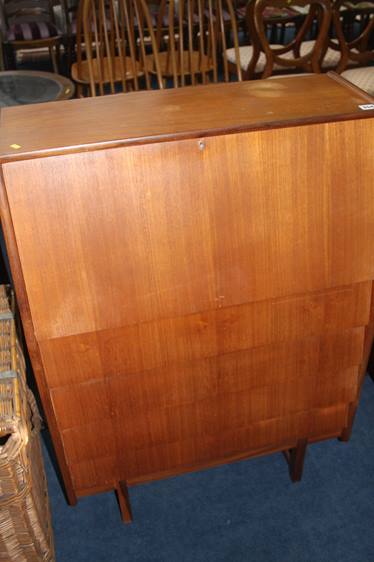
x=194, y=270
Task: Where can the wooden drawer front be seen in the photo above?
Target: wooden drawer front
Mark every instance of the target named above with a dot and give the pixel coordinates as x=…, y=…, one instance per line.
x=130, y=235
x=170, y=342
x=232, y=411
x=102, y=462
x=144, y=428
x=142, y=464
x=195, y=381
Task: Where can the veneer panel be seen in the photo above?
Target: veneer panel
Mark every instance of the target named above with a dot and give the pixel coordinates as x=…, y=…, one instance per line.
x=195, y=280
x=169, y=225
x=171, y=458
x=143, y=347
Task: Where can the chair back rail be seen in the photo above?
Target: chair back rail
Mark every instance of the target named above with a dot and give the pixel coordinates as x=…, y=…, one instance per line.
x=289, y=56
x=355, y=48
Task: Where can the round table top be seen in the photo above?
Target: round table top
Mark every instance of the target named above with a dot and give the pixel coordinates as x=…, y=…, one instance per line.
x=20, y=87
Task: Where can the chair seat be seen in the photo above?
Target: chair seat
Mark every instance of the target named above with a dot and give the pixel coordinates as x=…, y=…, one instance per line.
x=331, y=58
x=196, y=65
x=82, y=75
x=32, y=31
x=361, y=77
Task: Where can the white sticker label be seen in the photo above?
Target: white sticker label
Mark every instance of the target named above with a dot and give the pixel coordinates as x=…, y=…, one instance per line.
x=366, y=106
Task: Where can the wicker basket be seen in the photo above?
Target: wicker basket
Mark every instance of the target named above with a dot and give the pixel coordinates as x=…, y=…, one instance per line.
x=25, y=523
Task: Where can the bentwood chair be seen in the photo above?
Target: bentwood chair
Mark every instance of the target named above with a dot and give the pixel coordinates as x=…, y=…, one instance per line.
x=301, y=52
x=355, y=44
x=117, y=39
x=30, y=24
x=192, y=39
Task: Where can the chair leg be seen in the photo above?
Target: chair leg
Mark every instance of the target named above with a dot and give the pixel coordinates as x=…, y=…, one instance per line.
x=79, y=90
x=371, y=364
x=124, y=501
x=295, y=458
x=52, y=52
x=10, y=57
x=347, y=431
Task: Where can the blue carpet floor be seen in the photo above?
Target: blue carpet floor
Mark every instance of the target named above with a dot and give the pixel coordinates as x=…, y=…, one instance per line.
x=248, y=511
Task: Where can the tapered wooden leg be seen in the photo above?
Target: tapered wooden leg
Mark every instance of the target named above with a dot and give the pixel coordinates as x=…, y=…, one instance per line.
x=124, y=501
x=53, y=55
x=371, y=364
x=295, y=458
x=347, y=431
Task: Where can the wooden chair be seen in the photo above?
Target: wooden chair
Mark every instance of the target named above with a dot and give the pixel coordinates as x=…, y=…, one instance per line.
x=70, y=15
x=262, y=58
x=192, y=39
x=118, y=37
x=30, y=24
x=355, y=49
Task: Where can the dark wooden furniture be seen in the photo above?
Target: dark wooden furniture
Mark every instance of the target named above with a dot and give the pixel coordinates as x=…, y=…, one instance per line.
x=292, y=55
x=354, y=41
x=19, y=87
x=356, y=49
x=304, y=49
x=194, y=269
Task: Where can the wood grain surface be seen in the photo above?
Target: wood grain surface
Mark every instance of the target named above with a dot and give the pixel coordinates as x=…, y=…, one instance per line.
x=197, y=301
x=155, y=116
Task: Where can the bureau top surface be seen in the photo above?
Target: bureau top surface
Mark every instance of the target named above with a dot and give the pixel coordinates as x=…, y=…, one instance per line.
x=144, y=117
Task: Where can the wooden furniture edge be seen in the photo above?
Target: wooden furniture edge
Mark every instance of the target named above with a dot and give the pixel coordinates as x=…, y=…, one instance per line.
x=164, y=475
x=295, y=458
x=187, y=135
x=256, y=453
x=355, y=89
x=367, y=354
x=124, y=501
x=32, y=345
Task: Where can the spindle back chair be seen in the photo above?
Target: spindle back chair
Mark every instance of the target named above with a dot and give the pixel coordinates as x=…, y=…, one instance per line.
x=192, y=38
x=118, y=37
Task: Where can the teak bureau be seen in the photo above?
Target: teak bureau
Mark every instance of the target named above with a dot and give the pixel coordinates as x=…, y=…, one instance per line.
x=194, y=270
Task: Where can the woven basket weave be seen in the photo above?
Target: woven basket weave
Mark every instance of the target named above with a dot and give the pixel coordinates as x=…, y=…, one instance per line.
x=25, y=523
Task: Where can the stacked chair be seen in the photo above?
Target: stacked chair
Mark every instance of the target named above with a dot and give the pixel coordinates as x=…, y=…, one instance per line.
x=127, y=45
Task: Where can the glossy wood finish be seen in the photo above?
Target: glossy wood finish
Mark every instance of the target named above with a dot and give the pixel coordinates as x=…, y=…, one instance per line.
x=195, y=300
x=176, y=114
